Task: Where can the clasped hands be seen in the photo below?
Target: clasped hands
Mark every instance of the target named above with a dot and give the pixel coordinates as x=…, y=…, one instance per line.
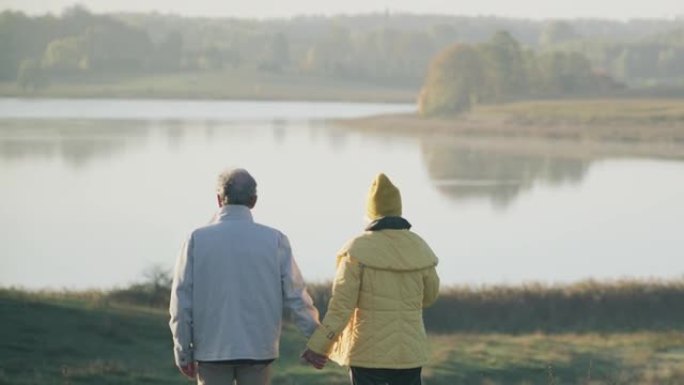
x=316, y=360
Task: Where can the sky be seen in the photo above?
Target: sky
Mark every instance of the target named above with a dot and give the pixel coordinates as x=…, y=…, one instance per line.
x=533, y=9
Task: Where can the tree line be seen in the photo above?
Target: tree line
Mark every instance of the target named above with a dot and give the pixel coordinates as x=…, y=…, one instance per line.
x=383, y=48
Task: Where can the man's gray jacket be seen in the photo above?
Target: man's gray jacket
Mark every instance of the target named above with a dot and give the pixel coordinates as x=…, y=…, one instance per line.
x=233, y=278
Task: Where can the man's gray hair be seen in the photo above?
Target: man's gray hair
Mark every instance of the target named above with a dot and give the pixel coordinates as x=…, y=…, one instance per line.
x=236, y=187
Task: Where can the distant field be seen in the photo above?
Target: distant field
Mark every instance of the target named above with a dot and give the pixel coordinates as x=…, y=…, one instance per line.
x=83, y=339
x=228, y=84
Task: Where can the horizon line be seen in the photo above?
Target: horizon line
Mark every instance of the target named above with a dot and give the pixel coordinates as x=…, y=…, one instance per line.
x=332, y=15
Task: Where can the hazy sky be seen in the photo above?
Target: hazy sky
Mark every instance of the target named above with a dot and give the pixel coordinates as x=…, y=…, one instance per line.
x=536, y=9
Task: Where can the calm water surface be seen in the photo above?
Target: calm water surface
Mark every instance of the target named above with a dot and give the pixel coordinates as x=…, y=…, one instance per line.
x=96, y=191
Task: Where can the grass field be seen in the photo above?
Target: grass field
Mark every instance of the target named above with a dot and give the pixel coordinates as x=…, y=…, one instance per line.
x=53, y=338
x=226, y=84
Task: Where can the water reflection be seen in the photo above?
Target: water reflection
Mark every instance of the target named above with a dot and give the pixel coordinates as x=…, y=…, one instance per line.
x=79, y=142
x=279, y=130
x=75, y=142
x=460, y=168
x=314, y=176
x=463, y=169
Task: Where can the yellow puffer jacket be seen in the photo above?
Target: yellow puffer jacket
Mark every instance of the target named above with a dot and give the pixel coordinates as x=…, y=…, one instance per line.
x=384, y=280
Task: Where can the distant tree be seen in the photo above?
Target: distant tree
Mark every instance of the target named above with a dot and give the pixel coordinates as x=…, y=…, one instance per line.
x=565, y=73
x=116, y=47
x=535, y=79
x=76, y=12
x=9, y=24
x=331, y=55
x=444, y=34
x=158, y=277
x=66, y=55
x=21, y=37
x=621, y=64
x=505, y=69
x=671, y=62
x=277, y=55
x=674, y=37
x=314, y=60
x=557, y=32
x=30, y=76
x=211, y=58
x=167, y=54
x=454, y=81
x=638, y=61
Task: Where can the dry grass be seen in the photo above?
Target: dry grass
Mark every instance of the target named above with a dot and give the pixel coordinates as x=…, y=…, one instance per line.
x=582, y=359
x=652, y=120
x=588, y=306
x=589, y=112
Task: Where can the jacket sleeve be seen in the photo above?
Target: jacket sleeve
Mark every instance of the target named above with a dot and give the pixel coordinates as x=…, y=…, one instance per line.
x=430, y=286
x=295, y=296
x=180, y=307
x=344, y=299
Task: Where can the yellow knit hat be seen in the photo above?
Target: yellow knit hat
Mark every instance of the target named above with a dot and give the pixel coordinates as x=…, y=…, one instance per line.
x=384, y=199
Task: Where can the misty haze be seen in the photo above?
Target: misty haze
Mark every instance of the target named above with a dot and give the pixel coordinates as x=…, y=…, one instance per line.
x=538, y=148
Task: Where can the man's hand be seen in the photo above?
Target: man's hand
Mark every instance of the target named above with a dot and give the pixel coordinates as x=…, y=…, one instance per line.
x=318, y=361
x=189, y=370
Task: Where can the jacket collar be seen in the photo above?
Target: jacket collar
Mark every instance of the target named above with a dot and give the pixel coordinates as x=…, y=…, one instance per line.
x=385, y=223
x=235, y=213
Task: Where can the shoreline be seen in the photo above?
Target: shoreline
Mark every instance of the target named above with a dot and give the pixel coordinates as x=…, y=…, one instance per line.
x=218, y=85
x=199, y=98
x=643, y=120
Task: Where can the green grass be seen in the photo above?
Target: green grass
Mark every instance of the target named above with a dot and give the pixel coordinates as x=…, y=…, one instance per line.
x=70, y=338
x=227, y=84
x=78, y=341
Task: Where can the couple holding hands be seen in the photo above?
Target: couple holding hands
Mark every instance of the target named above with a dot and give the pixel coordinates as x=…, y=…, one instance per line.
x=234, y=277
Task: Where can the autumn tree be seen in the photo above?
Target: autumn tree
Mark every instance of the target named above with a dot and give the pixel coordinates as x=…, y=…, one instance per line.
x=500, y=71
x=454, y=81
x=67, y=55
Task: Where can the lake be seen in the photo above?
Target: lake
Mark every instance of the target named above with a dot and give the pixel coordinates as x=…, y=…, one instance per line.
x=94, y=192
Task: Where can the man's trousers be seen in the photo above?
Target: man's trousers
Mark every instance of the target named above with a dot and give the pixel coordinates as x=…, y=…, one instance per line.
x=219, y=373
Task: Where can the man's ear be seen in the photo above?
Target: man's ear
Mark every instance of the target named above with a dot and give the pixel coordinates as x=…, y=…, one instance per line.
x=252, y=202
x=219, y=201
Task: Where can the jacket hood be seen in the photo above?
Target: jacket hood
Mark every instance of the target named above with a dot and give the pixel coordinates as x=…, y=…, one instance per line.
x=398, y=250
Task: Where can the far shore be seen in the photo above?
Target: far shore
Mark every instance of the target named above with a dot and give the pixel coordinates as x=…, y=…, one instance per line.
x=627, y=120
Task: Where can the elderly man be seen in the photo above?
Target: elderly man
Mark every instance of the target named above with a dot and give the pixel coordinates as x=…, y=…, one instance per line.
x=232, y=280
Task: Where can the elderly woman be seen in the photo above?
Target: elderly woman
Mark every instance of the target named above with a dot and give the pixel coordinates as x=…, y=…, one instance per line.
x=385, y=277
